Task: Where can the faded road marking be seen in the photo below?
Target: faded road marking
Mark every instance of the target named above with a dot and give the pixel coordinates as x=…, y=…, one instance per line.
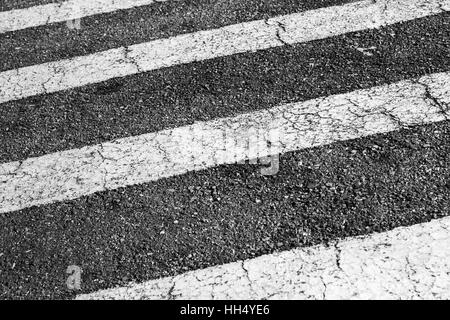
x=405, y=263
x=134, y=160
x=250, y=36
x=18, y=19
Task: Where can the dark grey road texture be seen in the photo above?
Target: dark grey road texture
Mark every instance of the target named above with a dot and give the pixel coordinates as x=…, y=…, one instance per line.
x=230, y=212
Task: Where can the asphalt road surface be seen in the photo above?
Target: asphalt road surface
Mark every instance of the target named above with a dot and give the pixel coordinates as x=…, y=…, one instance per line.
x=102, y=168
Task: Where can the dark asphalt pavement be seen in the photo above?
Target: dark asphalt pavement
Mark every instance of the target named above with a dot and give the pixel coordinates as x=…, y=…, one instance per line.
x=229, y=212
x=221, y=87
x=6, y=5
x=140, y=24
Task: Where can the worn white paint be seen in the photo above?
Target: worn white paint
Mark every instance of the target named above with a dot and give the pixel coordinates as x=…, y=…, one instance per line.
x=134, y=160
x=405, y=263
x=36, y=16
x=250, y=36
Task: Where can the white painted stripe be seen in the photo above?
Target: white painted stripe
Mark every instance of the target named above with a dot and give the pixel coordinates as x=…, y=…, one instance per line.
x=256, y=35
x=73, y=173
x=19, y=19
x=405, y=263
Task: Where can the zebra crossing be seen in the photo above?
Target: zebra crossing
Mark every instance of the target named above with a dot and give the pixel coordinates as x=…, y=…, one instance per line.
x=135, y=162
x=229, y=40
x=73, y=173
x=348, y=269
x=34, y=16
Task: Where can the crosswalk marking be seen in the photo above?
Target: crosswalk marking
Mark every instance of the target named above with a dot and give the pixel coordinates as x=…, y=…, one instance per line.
x=251, y=36
x=19, y=19
x=145, y=230
x=73, y=173
x=407, y=263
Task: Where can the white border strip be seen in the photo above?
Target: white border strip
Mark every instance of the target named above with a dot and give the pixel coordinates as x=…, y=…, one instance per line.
x=19, y=19
x=251, y=36
x=405, y=263
x=134, y=160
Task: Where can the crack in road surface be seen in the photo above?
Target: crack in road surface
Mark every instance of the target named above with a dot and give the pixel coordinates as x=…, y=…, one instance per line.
x=405, y=263
x=134, y=160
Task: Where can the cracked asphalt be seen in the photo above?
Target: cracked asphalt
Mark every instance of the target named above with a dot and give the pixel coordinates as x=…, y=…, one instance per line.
x=398, y=264
x=249, y=36
x=163, y=99
x=228, y=213
x=138, y=25
x=74, y=173
x=89, y=173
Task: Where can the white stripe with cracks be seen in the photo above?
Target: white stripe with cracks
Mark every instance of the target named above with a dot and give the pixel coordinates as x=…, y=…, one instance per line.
x=36, y=16
x=405, y=263
x=135, y=160
x=244, y=37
